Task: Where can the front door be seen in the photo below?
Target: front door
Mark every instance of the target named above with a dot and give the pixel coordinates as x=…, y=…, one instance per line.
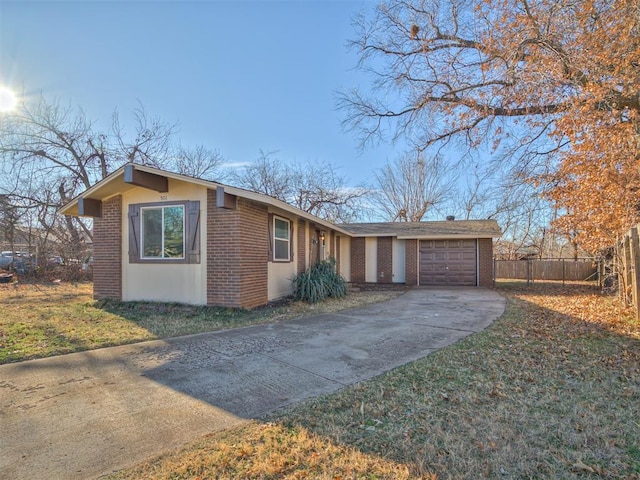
x=315, y=247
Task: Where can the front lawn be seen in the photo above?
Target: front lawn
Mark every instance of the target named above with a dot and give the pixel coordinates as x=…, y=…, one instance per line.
x=41, y=320
x=551, y=390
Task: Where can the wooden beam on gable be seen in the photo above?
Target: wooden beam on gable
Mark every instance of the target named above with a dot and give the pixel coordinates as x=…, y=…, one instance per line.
x=89, y=207
x=145, y=179
x=225, y=200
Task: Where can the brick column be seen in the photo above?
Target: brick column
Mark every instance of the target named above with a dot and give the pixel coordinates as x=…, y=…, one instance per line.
x=107, y=250
x=411, y=262
x=385, y=260
x=485, y=262
x=358, y=264
x=302, y=246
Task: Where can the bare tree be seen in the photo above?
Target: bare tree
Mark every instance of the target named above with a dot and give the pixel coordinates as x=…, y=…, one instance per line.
x=151, y=143
x=51, y=152
x=315, y=187
x=266, y=175
x=412, y=185
x=199, y=162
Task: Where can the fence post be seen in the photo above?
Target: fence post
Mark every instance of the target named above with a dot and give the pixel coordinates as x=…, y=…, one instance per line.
x=528, y=272
x=563, y=272
x=495, y=271
x=628, y=269
x=619, y=270
x=635, y=277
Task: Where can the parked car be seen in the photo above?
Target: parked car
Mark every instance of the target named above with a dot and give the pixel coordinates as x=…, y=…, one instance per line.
x=55, y=261
x=6, y=260
x=20, y=262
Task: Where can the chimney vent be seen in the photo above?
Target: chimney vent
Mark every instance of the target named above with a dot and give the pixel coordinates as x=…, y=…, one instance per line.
x=450, y=218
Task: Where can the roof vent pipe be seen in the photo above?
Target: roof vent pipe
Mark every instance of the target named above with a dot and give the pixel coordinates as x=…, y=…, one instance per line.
x=450, y=218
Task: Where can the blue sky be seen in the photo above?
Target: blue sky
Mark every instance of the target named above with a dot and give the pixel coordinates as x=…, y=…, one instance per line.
x=237, y=76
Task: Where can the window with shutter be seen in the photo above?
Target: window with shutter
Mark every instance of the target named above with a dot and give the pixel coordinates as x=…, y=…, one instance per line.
x=164, y=232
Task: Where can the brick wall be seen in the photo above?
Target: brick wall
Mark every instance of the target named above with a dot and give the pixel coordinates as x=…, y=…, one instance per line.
x=237, y=254
x=411, y=262
x=107, y=250
x=485, y=262
x=358, y=264
x=385, y=260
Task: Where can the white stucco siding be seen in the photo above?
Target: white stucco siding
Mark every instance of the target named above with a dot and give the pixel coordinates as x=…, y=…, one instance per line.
x=345, y=257
x=399, y=253
x=371, y=259
x=183, y=283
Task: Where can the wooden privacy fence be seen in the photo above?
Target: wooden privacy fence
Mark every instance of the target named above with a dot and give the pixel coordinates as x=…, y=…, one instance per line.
x=627, y=265
x=546, y=269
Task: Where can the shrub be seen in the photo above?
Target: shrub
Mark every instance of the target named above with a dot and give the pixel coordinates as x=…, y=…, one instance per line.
x=319, y=282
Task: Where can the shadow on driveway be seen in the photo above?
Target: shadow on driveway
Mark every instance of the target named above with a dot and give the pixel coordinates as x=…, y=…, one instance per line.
x=90, y=413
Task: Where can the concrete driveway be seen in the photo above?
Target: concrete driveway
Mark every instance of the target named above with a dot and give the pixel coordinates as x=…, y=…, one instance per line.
x=88, y=414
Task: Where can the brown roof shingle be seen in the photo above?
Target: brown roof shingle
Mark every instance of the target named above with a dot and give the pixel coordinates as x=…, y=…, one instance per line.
x=438, y=229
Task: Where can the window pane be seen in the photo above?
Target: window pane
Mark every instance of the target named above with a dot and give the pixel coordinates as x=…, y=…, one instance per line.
x=281, y=250
x=152, y=232
x=174, y=232
x=282, y=229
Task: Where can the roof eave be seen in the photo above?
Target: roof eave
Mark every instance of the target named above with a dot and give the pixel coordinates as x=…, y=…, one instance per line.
x=71, y=208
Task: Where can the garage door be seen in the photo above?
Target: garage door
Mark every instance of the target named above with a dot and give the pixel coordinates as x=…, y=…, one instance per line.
x=447, y=262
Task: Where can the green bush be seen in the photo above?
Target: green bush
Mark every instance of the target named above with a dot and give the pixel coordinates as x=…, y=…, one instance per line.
x=319, y=282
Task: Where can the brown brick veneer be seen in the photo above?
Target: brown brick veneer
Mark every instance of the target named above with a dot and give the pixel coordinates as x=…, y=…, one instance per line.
x=237, y=254
x=485, y=262
x=302, y=244
x=107, y=250
x=411, y=262
x=358, y=265
x=385, y=260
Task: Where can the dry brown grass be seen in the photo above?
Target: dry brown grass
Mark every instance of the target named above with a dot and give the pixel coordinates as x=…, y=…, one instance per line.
x=550, y=391
x=41, y=320
x=268, y=451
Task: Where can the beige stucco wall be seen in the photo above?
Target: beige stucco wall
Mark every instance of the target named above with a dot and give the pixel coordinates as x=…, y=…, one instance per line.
x=280, y=273
x=371, y=259
x=399, y=260
x=184, y=283
x=345, y=257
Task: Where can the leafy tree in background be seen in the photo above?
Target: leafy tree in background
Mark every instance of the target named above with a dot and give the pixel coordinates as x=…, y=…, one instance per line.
x=551, y=85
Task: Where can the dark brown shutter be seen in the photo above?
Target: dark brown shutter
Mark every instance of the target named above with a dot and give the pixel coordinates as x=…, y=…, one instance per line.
x=134, y=233
x=193, y=232
x=291, y=240
x=270, y=233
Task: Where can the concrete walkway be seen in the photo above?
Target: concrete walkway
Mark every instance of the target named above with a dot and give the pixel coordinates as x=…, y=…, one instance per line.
x=88, y=414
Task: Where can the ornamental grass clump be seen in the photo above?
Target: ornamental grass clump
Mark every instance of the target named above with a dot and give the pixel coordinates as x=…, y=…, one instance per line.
x=319, y=282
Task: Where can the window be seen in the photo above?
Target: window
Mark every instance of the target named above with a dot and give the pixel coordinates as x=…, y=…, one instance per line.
x=164, y=232
x=281, y=239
